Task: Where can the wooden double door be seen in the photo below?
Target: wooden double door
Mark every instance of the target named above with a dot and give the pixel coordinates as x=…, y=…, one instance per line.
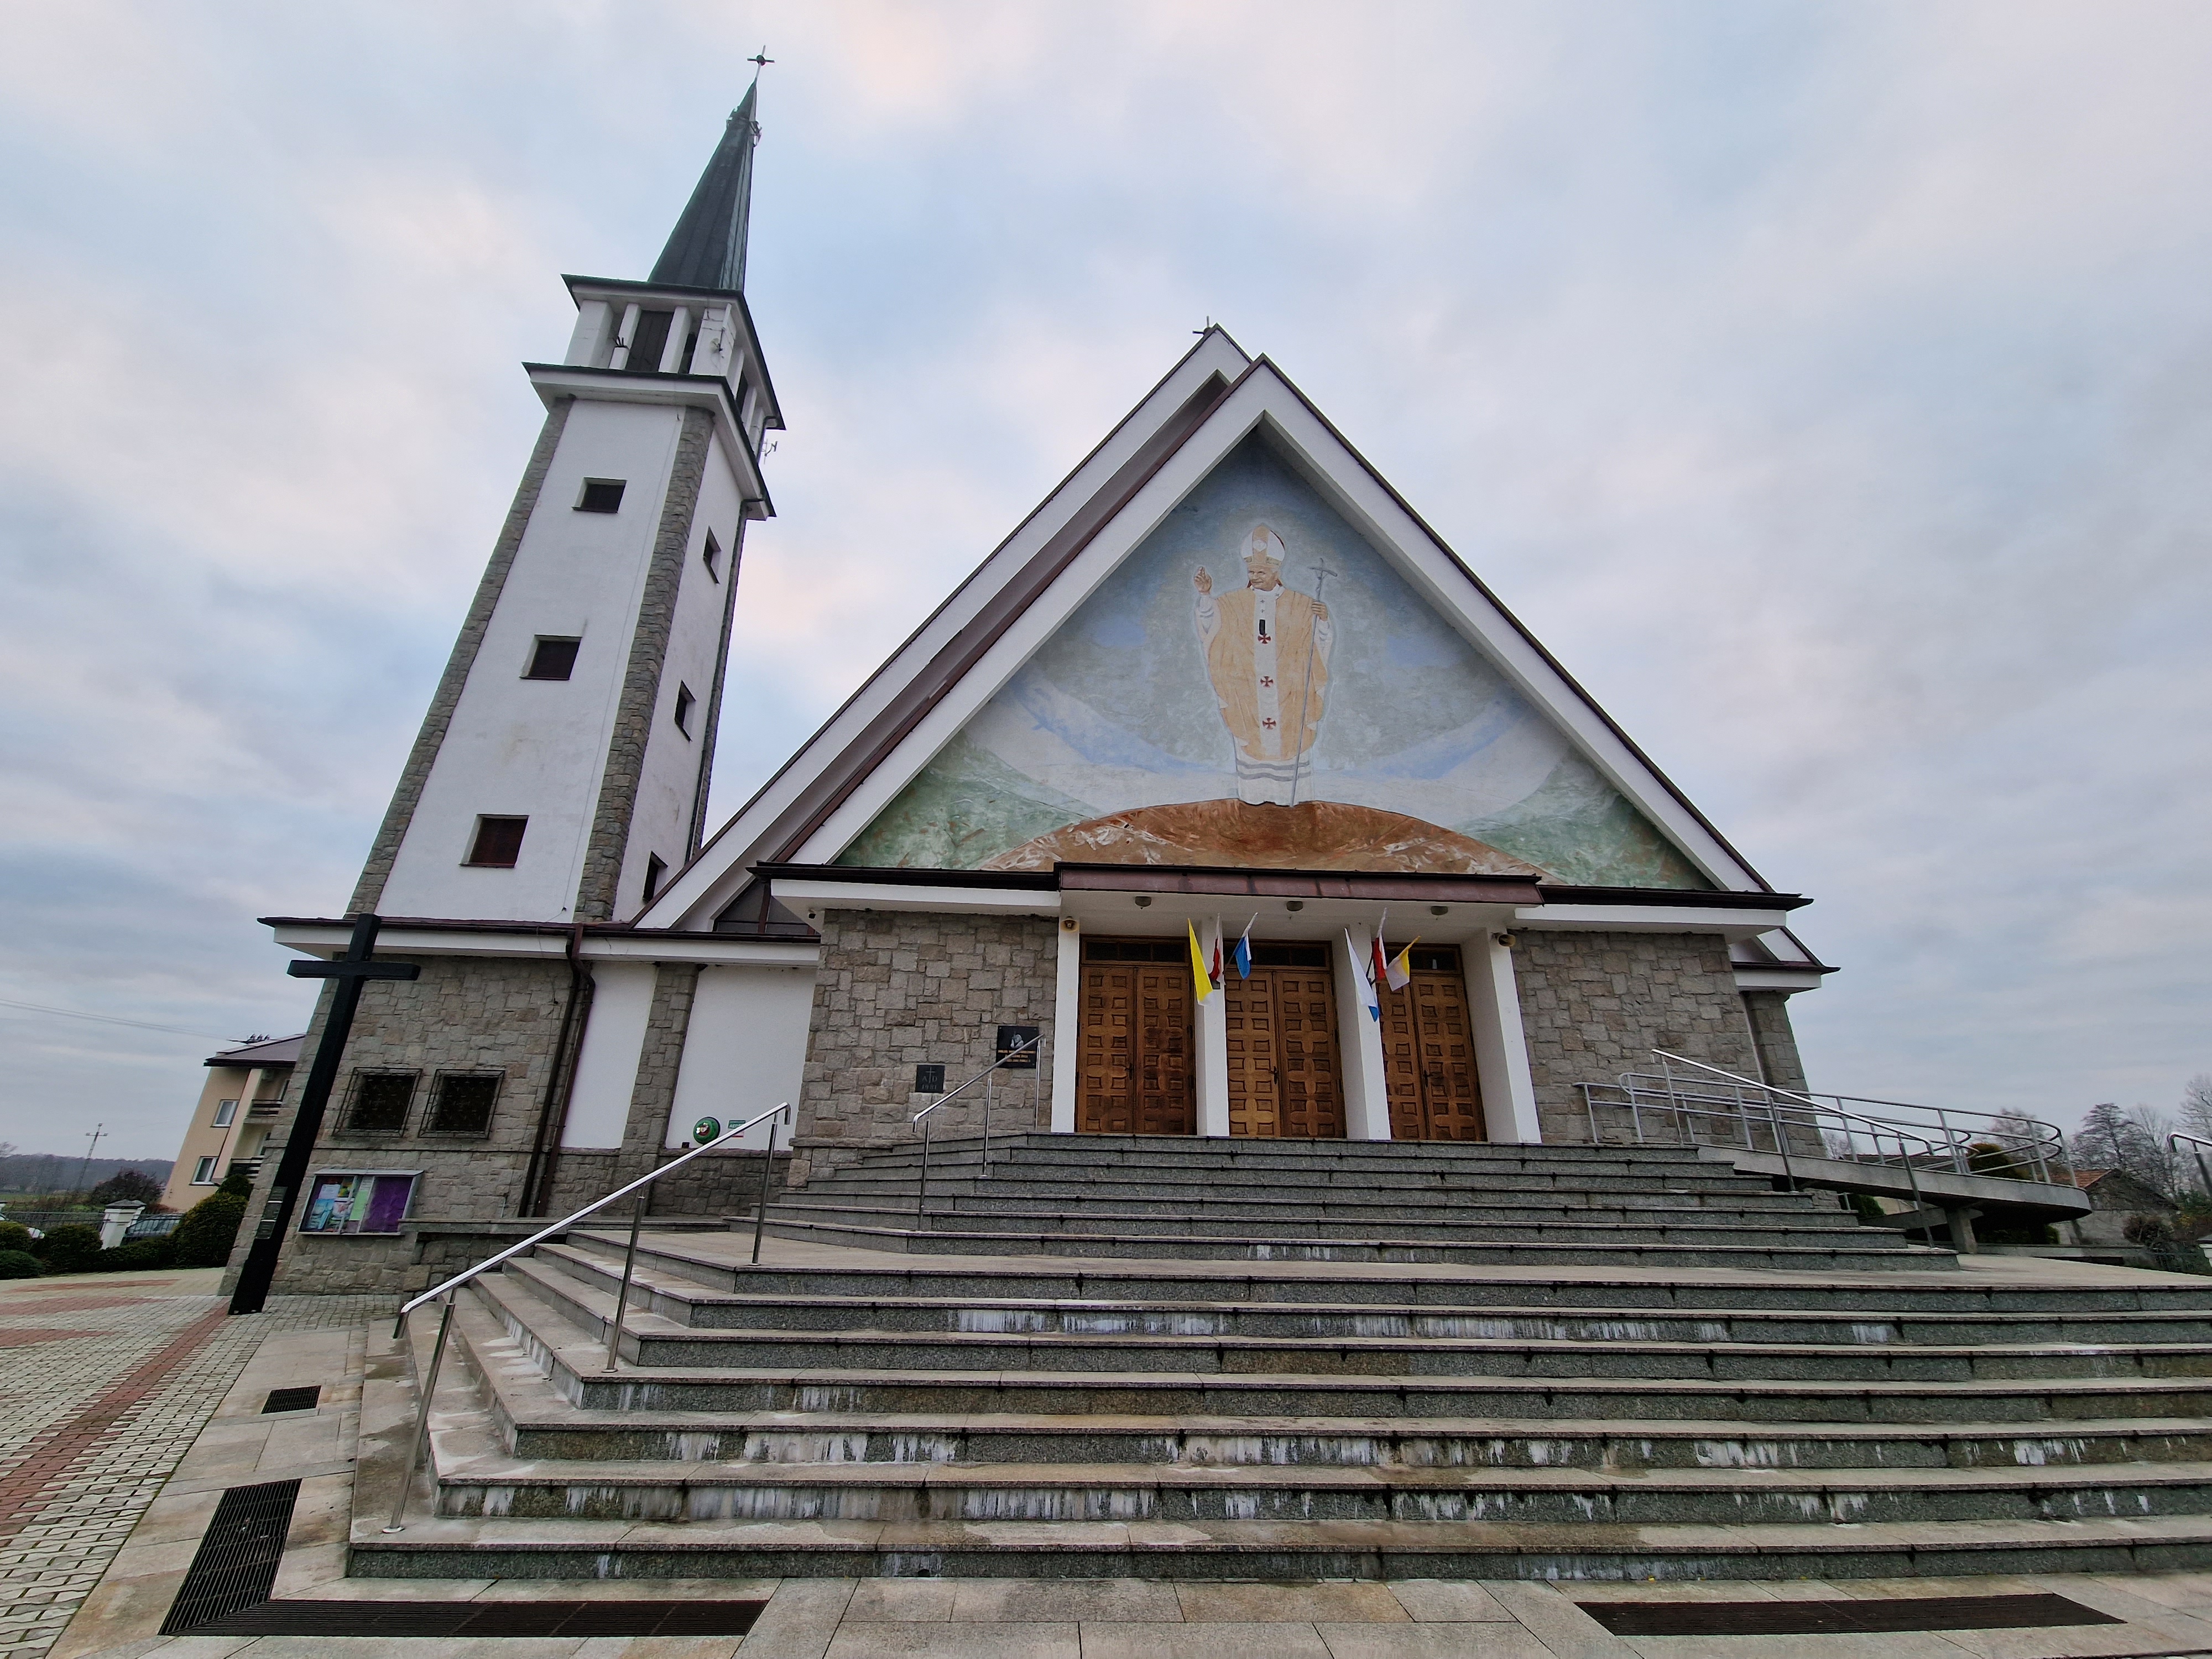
x=1428, y=1057
x=1137, y=1077
x=1284, y=1078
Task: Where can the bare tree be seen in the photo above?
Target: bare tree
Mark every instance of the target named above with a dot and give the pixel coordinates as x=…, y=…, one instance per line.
x=2161, y=1166
x=2111, y=1139
x=2196, y=1110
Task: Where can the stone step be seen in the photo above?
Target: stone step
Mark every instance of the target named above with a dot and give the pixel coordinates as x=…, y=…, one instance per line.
x=539, y=1423
x=1625, y=1444
x=1171, y=1153
x=1861, y=1252
x=968, y=1175
x=1428, y=1209
x=652, y=1342
x=1213, y=1551
x=576, y=1363
x=473, y=1482
x=476, y=1475
x=982, y=1308
x=1347, y=1220
x=719, y=1262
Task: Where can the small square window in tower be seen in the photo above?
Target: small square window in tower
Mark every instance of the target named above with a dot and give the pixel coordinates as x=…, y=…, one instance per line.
x=711, y=554
x=655, y=873
x=552, y=658
x=685, y=700
x=463, y=1104
x=601, y=495
x=498, y=844
x=380, y=1104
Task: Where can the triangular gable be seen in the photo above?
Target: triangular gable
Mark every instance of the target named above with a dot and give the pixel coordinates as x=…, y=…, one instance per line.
x=1502, y=741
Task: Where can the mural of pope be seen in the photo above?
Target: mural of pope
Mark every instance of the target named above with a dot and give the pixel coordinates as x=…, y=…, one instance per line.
x=1267, y=653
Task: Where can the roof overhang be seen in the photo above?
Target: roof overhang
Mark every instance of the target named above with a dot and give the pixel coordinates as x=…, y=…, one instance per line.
x=324, y=936
x=615, y=290
x=711, y=393
x=965, y=653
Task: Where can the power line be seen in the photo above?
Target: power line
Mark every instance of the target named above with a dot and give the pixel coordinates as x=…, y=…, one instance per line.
x=114, y=1019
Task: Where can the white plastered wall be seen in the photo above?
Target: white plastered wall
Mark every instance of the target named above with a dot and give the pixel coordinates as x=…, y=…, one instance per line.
x=744, y=1050
x=661, y=825
x=1359, y=1041
x=537, y=748
x=1501, y=1047
x=1212, y=1037
x=606, y=1065
x=1067, y=1026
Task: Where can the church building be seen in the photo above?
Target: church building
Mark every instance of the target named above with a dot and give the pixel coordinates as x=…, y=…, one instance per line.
x=1222, y=778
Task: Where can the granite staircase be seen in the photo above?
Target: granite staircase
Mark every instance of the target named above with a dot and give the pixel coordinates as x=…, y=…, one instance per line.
x=1333, y=1201
x=1189, y=1386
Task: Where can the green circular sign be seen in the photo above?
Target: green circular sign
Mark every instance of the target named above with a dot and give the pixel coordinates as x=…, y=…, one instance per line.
x=706, y=1129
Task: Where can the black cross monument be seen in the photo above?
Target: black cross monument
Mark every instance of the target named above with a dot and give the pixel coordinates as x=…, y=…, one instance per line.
x=349, y=971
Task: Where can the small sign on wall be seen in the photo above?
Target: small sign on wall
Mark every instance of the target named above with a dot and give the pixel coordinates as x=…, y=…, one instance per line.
x=1018, y=1046
x=929, y=1079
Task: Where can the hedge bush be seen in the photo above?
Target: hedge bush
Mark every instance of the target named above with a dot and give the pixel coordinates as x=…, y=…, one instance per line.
x=70, y=1249
x=137, y=1255
x=15, y=1236
x=202, y=1238
x=19, y=1264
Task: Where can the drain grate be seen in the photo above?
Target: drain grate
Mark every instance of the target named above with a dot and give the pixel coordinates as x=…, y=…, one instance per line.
x=236, y=1563
x=455, y=1618
x=1902, y=1613
x=293, y=1400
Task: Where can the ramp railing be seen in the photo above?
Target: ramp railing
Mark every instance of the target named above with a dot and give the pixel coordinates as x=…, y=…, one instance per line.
x=1687, y=1101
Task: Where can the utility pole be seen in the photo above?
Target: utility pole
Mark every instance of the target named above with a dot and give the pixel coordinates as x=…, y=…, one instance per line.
x=85, y=1167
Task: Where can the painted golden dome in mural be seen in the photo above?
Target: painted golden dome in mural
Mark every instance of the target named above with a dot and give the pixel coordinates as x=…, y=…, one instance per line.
x=1316, y=835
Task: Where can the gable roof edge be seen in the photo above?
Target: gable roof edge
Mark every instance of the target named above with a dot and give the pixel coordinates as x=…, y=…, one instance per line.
x=1535, y=644
x=713, y=875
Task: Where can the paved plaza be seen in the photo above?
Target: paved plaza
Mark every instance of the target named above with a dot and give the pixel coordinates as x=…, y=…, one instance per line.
x=130, y=1404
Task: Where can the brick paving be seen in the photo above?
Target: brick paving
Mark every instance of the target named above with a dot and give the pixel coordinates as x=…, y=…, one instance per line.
x=104, y=1385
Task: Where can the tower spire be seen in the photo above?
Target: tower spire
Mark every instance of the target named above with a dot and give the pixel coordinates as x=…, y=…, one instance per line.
x=707, y=248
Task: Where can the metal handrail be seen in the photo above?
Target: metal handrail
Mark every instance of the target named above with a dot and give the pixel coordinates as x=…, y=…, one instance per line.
x=2173, y=1144
x=1955, y=1140
x=1950, y=1140
x=1679, y=1106
x=622, y=1299
x=1036, y=1043
x=1732, y=1106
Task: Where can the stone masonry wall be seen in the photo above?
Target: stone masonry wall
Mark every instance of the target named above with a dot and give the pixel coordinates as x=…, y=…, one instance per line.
x=466, y=1014
x=1595, y=1005
x=1776, y=1041
x=898, y=989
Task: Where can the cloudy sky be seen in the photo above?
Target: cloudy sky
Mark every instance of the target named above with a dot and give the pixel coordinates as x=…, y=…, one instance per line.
x=1829, y=385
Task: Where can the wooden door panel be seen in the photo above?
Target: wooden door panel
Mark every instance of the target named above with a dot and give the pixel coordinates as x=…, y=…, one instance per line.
x=1428, y=1061
x=1254, y=1056
x=1284, y=1074
x=1136, y=1074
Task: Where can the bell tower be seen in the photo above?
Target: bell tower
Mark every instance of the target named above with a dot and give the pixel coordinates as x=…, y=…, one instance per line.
x=561, y=774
